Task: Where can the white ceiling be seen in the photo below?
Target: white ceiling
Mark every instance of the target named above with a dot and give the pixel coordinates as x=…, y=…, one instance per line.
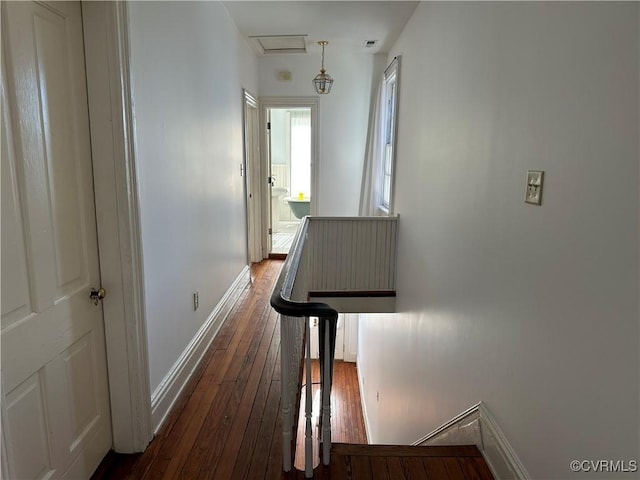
x=345, y=24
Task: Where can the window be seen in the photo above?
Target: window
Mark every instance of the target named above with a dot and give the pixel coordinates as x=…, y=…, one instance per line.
x=376, y=194
x=388, y=124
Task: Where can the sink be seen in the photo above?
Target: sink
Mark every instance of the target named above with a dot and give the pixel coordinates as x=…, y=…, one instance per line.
x=279, y=191
x=276, y=195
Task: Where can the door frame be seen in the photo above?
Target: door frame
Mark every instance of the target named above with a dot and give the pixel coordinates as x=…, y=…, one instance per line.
x=106, y=36
x=253, y=186
x=267, y=103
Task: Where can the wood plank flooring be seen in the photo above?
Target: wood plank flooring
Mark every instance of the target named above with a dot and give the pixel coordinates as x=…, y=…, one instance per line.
x=399, y=462
x=346, y=415
x=226, y=424
x=394, y=462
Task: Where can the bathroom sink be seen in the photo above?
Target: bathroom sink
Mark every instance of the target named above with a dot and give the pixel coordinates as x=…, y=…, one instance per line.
x=279, y=191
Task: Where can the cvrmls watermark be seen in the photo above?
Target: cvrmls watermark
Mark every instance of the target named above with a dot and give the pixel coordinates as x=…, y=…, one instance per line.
x=609, y=466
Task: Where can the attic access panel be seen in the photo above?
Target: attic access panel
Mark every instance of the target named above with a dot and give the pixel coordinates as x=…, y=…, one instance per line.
x=273, y=44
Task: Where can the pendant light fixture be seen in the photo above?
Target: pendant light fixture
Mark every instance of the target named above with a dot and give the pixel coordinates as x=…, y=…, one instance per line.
x=323, y=81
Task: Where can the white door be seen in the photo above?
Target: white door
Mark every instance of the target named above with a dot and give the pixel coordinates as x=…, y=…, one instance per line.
x=340, y=338
x=252, y=178
x=55, y=404
x=267, y=197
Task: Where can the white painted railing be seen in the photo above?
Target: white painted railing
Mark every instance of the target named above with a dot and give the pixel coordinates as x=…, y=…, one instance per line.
x=333, y=258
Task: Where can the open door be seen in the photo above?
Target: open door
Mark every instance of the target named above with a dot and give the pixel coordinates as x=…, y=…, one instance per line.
x=291, y=170
x=251, y=171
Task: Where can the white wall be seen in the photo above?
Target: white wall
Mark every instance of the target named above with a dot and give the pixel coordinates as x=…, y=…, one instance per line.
x=343, y=117
x=188, y=67
x=533, y=310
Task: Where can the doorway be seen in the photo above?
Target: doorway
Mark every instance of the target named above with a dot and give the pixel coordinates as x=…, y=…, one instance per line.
x=346, y=337
x=290, y=179
x=290, y=168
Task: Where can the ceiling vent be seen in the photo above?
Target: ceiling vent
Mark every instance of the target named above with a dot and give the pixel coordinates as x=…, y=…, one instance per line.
x=370, y=43
x=275, y=44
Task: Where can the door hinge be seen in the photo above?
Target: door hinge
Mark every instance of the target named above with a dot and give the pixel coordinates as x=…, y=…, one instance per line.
x=270, y=231
x=268, y=125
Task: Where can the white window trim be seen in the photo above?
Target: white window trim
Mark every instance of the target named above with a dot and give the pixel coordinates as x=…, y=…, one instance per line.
x=391, y=76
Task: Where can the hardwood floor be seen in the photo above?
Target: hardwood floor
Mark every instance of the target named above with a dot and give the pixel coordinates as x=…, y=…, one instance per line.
x=346, y=415
x=395, y=462
x=226, y=424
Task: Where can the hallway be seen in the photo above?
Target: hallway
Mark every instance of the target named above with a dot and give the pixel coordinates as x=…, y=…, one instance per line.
x=226, y=424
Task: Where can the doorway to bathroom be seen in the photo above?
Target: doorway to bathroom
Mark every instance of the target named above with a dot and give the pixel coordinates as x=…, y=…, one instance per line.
x=290, y=141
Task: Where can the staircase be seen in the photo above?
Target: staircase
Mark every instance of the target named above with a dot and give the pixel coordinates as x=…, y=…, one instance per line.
x=349, y=264
x=395, y=462
x=346, y=264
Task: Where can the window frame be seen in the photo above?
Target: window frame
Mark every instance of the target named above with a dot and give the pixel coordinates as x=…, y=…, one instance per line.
x=389, y=127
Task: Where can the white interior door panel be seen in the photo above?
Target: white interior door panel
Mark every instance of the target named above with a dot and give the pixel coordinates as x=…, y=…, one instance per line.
x=55, y=408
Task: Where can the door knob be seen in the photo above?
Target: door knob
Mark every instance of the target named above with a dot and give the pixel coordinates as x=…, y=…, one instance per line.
x=97, y=295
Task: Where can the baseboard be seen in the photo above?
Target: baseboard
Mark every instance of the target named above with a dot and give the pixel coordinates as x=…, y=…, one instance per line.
x=367, y=425
x=501, y=458
x=477, y=426
x=462, y=429
x=165, y=396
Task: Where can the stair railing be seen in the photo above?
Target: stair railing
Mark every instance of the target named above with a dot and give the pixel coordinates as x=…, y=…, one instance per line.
x=289, y=300
x=347, y=260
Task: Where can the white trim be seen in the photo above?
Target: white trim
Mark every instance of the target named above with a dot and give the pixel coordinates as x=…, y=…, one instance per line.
x=350, y=342
x=252, y=172
x=477, y=426
x=170, y=388
x=357, y=217
x=264, y=203
x=105, y=27
x=500, y=456
x=365, y=415
x=391, y=72
x=438, y=434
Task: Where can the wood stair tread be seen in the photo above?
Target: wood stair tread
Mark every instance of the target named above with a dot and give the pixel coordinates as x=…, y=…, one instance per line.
x=405, y=450
x=401, y=462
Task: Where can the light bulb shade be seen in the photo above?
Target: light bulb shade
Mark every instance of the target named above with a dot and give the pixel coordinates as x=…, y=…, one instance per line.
x=322, y=83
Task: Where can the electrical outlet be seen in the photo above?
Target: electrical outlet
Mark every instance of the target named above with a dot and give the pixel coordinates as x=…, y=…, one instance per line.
x=535, y=179
x=196, y=300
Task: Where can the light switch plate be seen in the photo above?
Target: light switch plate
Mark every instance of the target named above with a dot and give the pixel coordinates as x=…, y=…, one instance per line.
x=535, y=180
